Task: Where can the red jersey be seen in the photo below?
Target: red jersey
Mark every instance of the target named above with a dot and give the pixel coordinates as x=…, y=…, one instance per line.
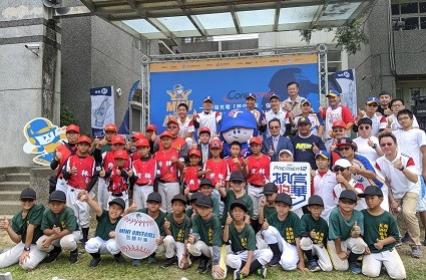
x=117, y=183
x=232, y=166
x=168, y=171
x=66, y=152
x=108, y=161
x=191, y=179
x=258, y=169
x=145, y=170
x=177, y=144
x=85, y=170
x=218, y=170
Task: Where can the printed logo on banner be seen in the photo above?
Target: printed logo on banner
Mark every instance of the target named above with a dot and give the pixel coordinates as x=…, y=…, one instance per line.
x=178, y=95
x=102, y=111
x=293, y=178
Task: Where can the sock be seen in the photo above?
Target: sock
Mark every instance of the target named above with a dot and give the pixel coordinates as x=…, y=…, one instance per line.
x=254, y=266
x=353, y=257
x=85, y=232
x=95, y=255
x=309, y=255
x=275, y=250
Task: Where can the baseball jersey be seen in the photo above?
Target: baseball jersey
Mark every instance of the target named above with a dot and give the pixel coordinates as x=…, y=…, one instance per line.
x=339, y=113
x=324, y=187
x=145, y=169
x=66, y=151
x=185, y=127
x=108, y=160
x=379, y=227
x=410, y=142
x=65, y=220
x=218, y=171
x=34, y=217
x=320, y=227
x=159, y=220
x=269, y=210
x=180, y=231
x=118, y=181
x=191, y=179
x=232, y=166
x=166, y=170
x=366, y=150
x=230, y=198
x=258, y=170
x=290, y=228
x=209, y=231
x=339, y=228
x=210, y=120
x=85, y=171
x=244, y=240
x=105, y=226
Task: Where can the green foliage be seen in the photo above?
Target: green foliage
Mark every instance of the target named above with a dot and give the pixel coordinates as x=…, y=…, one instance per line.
x=67, y=117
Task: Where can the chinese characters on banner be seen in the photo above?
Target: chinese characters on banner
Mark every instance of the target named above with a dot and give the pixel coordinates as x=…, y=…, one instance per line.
x=293, y=178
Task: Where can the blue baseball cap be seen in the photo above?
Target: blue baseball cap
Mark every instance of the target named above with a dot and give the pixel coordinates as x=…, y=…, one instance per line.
x=274, y=96
x=333, y=93
x=251, y=95
x=372, y=99
x=208, y=99
x=323, y=154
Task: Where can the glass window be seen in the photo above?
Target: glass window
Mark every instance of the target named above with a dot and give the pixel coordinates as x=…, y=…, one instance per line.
x=422, y=7
x=395, y=9
x=423, y=22
x=411, y=23
x=409, y=8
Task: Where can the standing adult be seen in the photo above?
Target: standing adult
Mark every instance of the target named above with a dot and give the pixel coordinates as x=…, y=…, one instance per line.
x=208, y=117
x=276, y=142
x=384, y=108
x=186, y=124
x=276, y=112
x=391, y=122
x=293, y=103
x=367, y=143
x=317, y=123
x=258, y=114
x=370, y=111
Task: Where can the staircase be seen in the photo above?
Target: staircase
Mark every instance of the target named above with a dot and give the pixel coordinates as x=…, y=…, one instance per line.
x=11, y=185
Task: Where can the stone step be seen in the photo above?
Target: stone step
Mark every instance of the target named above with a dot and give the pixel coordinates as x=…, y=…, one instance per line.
x=18, y=177
x=14, y=186
x=9, y=207
x=9, y=195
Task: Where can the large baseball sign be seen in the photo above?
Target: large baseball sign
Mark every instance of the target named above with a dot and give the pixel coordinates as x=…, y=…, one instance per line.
x=136, y=235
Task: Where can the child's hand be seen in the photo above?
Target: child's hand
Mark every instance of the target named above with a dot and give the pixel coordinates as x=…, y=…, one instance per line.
x=379, y=244
x=217, y=272
x=356, y=230
x=262, y=202
x=313, y=234
x=265, y=224
x=56, y=229
x=186, y=191
x=245, y=271
x=166, y=224
x=4, y=223
x=159, y=240
x=74, y=170
x=343, y=255
x=83, y=195
x=46, y=243
x=229, y=220
x=111, y=234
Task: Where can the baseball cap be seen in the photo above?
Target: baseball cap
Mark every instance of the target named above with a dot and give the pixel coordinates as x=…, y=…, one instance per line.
x=172, y=120
x=215, y=143
x=110, y=128
x=332, y=93
x=119, y=201
x=118, y=140
x=84, y=139
x=274, y=95
x=58, y=196
x=194, y=152
x=372, y=99
x=370, y=191
x=206, y=182
x=166, y=134
x=365, y=121
x=204, y=201
x=251, y=96
x=270, y=188
x=137, y=136
x=239, y=203
x=305, y=101
x=256, y=140
x=154, y=197
x=339, y=123
x=342, y=162
x=73, y=128
x=237, y=176
x=287, y=151
x=180, y=197
x=303, y=120
x=151, y=127
x=346, y=141
x=323, y=154
x=28, y=193
x=284, y=198
x=121, y=154
x=208, y=99
x=347, y=194
x=142, y=143
x=195, y=196
x=315, y=200
x=204, y=129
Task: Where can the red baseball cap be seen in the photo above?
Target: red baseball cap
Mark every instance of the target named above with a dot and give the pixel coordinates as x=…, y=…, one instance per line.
x=172, y=120
x=151, y=127
x=117, y=139
x=110, y=128
x=137, y=136
x=142, y=143
x=84, y=139
x=216, y=144
x=347, y=141
x=121, y=154
x=256, y=140
x=195, y=152
x=166, y=134
x=339, y=123
x=204, y=129
x=73, y=128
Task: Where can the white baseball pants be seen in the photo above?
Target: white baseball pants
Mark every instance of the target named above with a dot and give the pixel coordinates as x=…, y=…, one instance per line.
x=67, y=243
x=12, y=255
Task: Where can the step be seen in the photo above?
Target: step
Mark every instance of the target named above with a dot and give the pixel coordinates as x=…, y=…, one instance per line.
x=18, y=177
x=9, y=195
x=9, y=207
x=14, y=186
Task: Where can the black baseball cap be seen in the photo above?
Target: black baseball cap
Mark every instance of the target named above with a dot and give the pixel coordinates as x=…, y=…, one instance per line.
x=194, y=197
x=154, y=197
x=206, y=182
x=179, y=197
x=28, y=193
x=119, y=201
x=346, y=194
x=284, y=198
x=316, y=200
x=274, y=96
x=58, y=196
x=270, y=188
x=204, y=201
x=239, y=203
x=371, y=191
x=237, y=176
x=365, y=121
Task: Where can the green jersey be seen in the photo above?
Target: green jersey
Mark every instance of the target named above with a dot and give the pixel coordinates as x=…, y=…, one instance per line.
x=180, y=231
x=320, y=227
x=65, y=220
x=339, y=228
x=159, y=220
x=268, y=211
x=33, y=217
x=230, y=198
x=105, y=226
x=244, y=240
x=379, y=227
x=210, y=231
x=289, y=228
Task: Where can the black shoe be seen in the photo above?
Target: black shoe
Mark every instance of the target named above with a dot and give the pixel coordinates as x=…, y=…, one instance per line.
x=274, y=261
x=53, y=255
x=73, y=256
x=169, y=262
x=313, y=266
x=202, y=264
x=119, y=258
x=208, y=266
x=96, y=259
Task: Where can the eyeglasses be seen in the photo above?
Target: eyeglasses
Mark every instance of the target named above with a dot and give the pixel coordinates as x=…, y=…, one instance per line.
x=386, y=144
x=27, y=200
x=339, y=169
x=366, y=127
x=346, y=148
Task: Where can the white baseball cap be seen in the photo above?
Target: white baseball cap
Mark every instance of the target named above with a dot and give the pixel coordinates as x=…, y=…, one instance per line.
x=342, y=162
x=286, y=151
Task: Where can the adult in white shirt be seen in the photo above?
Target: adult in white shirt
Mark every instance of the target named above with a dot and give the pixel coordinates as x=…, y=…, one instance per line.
x=368, y=144
x=208, y=117
x=401, y=176
x=276, y=112
x=391, y=122
x=370, y=111
x=293, y=104
x=258, y=114
x=186, y=125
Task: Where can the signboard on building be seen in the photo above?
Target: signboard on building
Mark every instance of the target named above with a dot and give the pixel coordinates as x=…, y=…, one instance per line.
x=102, y=109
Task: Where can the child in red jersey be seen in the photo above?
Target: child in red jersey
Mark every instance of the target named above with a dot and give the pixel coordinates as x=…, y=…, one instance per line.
x=235, y=160
x=192, y=172
x=144, y=169
x=79, y=171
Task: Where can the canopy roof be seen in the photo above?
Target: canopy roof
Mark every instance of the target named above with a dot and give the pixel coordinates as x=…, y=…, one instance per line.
x=166, y=19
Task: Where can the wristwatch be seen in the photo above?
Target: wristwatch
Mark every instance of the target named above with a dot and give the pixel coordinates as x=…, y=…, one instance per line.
x=27, y=249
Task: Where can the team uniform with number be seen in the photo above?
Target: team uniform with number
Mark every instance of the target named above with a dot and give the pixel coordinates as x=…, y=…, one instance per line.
x=191, y=180
x=102, y=243
x=118, y=185
x=231, y=197
x=66, y=151
x=145, y=170
x=324, y=184
x=218, y=174
x=257, y=177
x=175, y=244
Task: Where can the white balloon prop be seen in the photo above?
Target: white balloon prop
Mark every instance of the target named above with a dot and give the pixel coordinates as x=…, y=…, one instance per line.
x=136, y=235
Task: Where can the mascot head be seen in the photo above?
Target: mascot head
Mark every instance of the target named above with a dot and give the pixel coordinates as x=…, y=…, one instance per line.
x=238, y=125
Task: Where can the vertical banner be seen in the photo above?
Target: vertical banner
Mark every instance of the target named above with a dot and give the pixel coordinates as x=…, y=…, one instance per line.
x=228, y=81
x=294, y=179
x=102, y=112
x=345, y=83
